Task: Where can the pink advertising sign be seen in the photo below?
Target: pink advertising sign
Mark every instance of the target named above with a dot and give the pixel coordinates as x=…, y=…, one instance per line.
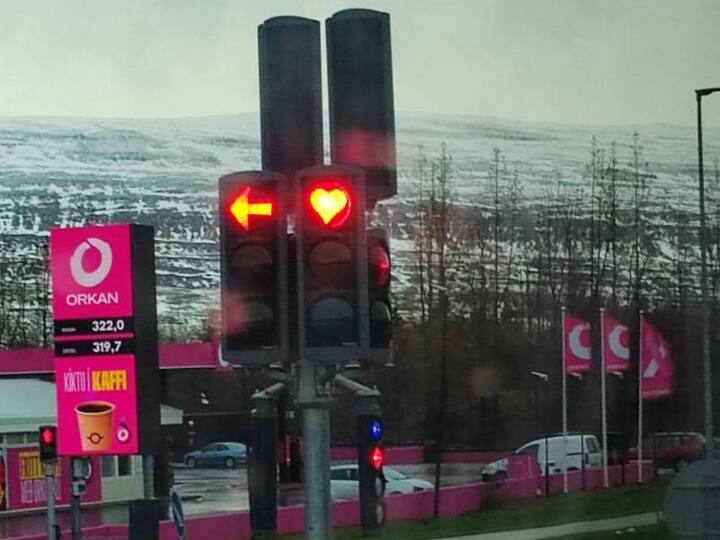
x=90, y=268
x=26, y=485
x=103, y=280
x=97, y=405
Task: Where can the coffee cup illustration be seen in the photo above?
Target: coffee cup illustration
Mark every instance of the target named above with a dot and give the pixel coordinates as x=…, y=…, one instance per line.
x=95, y=420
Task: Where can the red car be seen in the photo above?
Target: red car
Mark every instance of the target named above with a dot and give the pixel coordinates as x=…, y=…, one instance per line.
x=672, y=450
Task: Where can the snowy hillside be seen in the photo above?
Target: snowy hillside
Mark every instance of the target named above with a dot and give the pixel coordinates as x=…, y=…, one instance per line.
x=66, y=171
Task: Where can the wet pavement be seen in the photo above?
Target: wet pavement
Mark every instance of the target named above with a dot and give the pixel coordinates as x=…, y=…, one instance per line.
x=212, y=490
x=209, y=490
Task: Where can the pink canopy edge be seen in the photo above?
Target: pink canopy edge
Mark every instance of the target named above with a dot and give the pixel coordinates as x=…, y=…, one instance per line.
x=172, y=356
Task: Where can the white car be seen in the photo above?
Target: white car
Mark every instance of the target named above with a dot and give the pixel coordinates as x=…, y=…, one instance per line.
x=582, y=451
x=344, y=482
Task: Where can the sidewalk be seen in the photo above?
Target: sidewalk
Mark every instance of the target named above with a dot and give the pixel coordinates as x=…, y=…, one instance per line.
x=553, y=531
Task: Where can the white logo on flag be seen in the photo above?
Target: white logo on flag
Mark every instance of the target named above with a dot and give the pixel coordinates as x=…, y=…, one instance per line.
x=651, y=369
x=91, y=279
x=617, y=348
x=577, y=348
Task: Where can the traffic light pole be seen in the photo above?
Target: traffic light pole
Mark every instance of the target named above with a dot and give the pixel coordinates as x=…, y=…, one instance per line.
x=314, y=401
x=50, y=479
x=76, y=466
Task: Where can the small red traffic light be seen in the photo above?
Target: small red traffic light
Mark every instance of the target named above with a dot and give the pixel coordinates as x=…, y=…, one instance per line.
x=48, y=444
x=48, y=436
x=377, y=458
x=243, y=207
x=331, y=201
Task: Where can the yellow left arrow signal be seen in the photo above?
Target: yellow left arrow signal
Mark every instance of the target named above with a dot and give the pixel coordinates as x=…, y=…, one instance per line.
x=242, y=208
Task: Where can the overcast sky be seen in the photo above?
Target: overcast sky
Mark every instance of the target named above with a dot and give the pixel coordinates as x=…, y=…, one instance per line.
x=571, y=61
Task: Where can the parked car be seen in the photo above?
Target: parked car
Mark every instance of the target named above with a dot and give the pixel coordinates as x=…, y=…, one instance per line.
x=672, y=450
x=582, y=450
x=344, y=482
x=226, y=454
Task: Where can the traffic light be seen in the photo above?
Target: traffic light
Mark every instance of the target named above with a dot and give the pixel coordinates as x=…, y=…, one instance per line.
x=254, y=273
x=331, y=263
x=291, y=125
x=380, y=311
x=48, y=444
x=371, y=458
x=360, y=97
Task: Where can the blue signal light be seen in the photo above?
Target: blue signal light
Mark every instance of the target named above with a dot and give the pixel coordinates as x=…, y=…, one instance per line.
x=376, y=429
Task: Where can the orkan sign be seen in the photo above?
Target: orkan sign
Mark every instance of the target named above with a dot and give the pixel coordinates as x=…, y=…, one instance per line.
x=90, y=272
x=104, y=311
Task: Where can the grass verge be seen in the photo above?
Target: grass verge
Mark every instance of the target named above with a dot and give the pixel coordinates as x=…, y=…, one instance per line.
x=554, y=510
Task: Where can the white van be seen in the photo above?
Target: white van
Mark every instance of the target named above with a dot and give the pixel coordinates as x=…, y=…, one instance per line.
x=582, y=449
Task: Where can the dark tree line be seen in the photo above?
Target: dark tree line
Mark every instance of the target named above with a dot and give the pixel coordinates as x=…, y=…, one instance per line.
x=491, y=277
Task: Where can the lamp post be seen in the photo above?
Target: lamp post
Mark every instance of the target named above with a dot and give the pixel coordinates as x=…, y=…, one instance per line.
x=705, y=317
x=546, y=379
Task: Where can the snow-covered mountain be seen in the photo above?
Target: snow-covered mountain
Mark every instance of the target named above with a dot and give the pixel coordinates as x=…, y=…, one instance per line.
x=67, y=171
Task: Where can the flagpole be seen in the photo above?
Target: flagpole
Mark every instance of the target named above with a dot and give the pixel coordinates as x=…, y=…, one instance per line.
x=603, y=398
x=564, y=404
x=640, y=400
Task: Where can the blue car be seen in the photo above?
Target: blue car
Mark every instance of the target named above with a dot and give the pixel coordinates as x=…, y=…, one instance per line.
x=225, y=454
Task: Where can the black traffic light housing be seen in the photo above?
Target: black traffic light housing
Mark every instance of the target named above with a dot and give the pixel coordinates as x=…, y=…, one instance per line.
x=254, y=268
x=291, y=124
x=371, y=480
x=379, y=303
x=360, y=90
x=331, y=264
x=47, y=440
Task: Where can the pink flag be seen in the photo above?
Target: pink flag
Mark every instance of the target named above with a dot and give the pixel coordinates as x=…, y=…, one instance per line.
x=657, y=365
x=616, y=345
x=577, y=344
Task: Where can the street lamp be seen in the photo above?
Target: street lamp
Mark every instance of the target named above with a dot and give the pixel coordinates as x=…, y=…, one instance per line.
x=705, y=320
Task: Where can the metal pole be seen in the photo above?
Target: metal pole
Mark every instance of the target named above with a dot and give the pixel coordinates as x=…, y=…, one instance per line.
x=545, y=430
x=76, y=467
x=640, y=401
x=148, y=477
x=547, y=468
x=603, y=398
x=705, y=317
x=564, y=405
x=582, y=459
x=316, y=430
x=50, y=479
x=76, y=522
